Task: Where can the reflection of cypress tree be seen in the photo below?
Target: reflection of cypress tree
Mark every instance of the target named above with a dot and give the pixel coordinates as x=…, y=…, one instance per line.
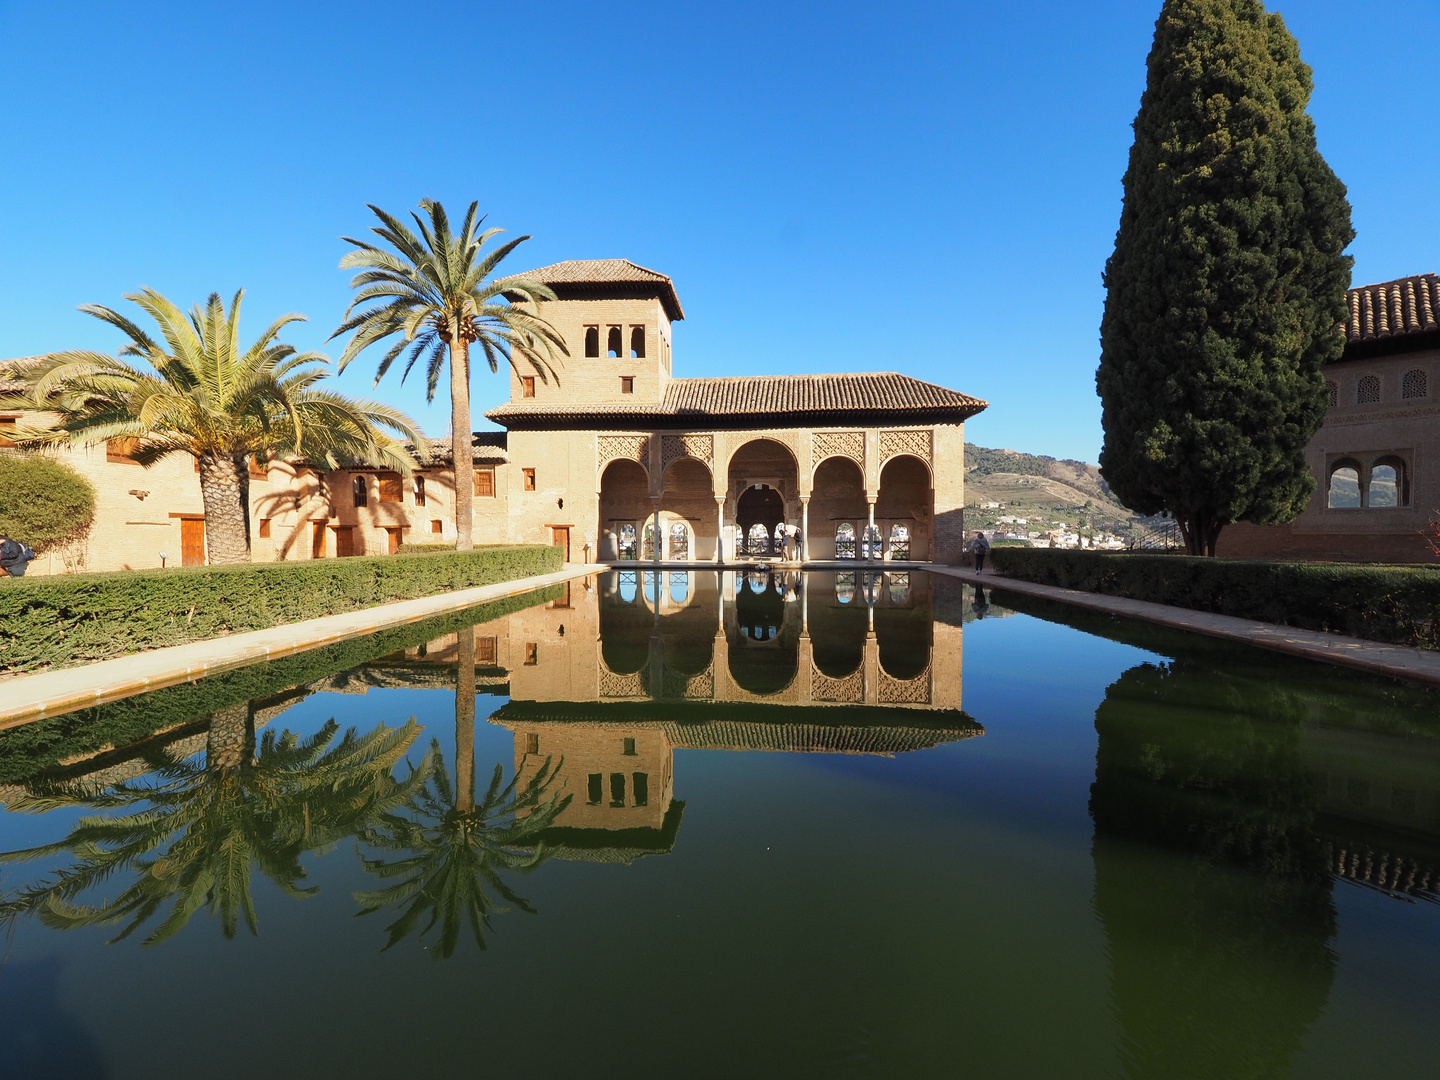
x=1218, y=925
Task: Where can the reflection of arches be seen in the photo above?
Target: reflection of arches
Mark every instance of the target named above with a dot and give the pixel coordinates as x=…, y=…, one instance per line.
x=624, y=500
x=904, y=636
x=1343, y=485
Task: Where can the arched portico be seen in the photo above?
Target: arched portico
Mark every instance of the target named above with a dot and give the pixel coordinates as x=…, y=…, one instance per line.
x=763, y=488
x=624, y=501
x=906, y=499
x=687, y=501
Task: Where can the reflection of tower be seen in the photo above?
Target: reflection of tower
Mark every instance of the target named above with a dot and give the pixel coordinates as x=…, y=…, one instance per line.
x=1208, y=876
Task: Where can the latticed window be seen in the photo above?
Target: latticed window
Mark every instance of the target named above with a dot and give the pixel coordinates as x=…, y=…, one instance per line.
x=1416, y=384
x=899, y=541
x=845, y=586
x=871, y=542
x=1367, y=390
x=1333, y=390
x=845, y=541
x=357, y=485
x=679, y=541
x=627, y=543
x=759, y=539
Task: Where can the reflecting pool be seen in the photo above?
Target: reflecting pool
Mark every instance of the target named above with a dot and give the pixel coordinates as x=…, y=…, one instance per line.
x=757, y=824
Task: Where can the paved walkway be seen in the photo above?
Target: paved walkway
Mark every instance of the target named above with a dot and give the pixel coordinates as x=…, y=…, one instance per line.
x=33, y=697
x=1401, y=661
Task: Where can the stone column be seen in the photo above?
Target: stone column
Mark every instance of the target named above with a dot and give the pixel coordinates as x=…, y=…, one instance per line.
x=869, y=529
x=719, y=530
x=804, y=528
x=659, y=539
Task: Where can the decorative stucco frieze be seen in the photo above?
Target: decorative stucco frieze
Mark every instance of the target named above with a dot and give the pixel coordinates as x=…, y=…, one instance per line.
x=824, y=688
x=675, y=447
x=850, y=444
x=610, y=448
x=621, y=686
x=914, y=691
x=915, y=443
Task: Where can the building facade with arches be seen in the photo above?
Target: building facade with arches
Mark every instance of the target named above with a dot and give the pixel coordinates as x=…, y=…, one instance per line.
x=616, y=452
x=1376, y=458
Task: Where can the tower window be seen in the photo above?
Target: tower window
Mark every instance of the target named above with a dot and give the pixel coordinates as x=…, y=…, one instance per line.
x=612, y=344
x=529, y=475
x=527, y=385
x=592, y=341
x=627, y=384
x=358, y=486
x=419, y=490
x=629, y=747
x=596, y=786
x=617, y=789
x=637, y=342
x=641, y=788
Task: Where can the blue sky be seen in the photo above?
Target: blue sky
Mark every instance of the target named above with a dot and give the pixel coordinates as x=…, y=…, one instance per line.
x=931, y=189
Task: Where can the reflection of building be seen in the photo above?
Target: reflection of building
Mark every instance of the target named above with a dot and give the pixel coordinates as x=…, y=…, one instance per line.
x=1374, y=459
x=861, y=464
x=646, y=663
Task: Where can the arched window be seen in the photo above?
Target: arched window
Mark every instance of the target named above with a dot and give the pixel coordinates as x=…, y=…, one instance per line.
x=647, y=542
x=845, y=586
x=651, y=587
x=627, y=541
x=899, y=542
x=871, y=546
x=679, y=541
x=1343, y=491
x=1416, y=384
x=1333, y=389
x=758, y=582
x=1367, y=390
x=758, y=539
x=637, y=342
x=899, y=588
x=592, y=341
x=845, y=546
x=629, y=586
x=612, y=344
x=1389, y=486
x=362, y=497
x=679, y=586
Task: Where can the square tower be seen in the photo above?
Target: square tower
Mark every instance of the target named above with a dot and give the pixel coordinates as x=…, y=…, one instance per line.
x=615, y=318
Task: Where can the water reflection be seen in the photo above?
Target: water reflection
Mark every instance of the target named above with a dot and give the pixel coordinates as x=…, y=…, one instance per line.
x=1269, y=789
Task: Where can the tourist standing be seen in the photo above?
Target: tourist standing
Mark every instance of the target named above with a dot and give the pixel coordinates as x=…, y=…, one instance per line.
x=981, y=547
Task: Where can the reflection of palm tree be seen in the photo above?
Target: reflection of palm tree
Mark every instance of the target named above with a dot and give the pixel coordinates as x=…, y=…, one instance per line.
x=457, y=855
x=458, y=846
x=215, y=820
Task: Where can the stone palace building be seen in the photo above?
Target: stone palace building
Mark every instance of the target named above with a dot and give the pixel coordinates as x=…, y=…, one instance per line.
x=615, y=459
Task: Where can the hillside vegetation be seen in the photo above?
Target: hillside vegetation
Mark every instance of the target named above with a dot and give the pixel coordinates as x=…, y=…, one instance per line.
x=1042, y=489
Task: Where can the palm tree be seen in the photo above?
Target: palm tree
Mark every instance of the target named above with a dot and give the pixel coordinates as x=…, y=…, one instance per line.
x=194, y=832
x=434, y=291
x=208, y=399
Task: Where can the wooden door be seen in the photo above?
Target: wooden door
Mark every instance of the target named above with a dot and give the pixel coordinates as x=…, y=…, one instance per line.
x=393, y=541
x=344, y=542
x=317, y=539
x=192, y=541
x=560, y=537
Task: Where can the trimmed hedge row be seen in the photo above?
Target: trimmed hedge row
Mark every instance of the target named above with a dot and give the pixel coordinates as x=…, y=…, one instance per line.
x=38, y=747
x=1395, y=604
x=56, y=621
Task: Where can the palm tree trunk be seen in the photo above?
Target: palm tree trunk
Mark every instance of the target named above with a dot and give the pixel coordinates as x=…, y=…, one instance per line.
x=460, y=442
x=227, y=536
x=465, y=722
x=227, y=742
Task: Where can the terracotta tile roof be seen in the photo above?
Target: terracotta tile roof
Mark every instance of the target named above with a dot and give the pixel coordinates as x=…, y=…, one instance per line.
x=1403, y=308
x=489, y=448
x=594, y=273
x=802, y=397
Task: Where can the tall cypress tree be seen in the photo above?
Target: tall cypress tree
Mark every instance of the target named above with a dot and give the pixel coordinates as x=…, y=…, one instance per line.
x=1226, y=290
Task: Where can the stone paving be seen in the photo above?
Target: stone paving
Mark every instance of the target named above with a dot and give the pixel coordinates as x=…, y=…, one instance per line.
x=1400, y=661
x=33, y=697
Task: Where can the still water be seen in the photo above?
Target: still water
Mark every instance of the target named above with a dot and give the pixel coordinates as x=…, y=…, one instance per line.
x=697, y=825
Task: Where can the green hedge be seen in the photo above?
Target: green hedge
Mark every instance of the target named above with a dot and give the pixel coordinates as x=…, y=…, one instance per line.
x=38, y=747
x=1396, y=604
x=71, y=619
x=425, y=549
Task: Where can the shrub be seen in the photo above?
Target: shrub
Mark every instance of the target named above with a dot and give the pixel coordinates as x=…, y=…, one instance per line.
x=39, y=747
x=43, y=502
x=1396, y=604
x=84, y=617
x=427, y=549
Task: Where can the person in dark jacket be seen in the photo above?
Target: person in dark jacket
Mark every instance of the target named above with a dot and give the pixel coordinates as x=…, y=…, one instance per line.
x=981, y=547
x=15, y=556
